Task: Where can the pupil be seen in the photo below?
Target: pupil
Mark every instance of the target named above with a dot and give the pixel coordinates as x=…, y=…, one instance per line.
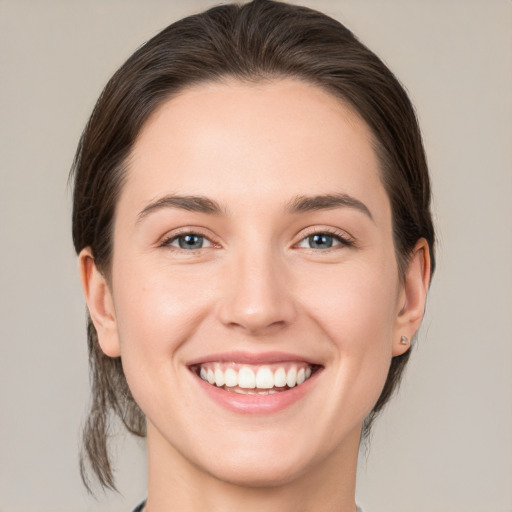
x=191, y=242
x=320, y=241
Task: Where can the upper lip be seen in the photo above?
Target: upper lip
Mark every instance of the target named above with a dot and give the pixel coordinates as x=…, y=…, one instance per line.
x=252, y=358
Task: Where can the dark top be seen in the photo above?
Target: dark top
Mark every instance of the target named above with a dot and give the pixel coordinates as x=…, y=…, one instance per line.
x=141, y=506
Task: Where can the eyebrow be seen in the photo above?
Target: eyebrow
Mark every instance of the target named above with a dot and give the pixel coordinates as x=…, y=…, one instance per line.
x=299, y=204
x=199, y=204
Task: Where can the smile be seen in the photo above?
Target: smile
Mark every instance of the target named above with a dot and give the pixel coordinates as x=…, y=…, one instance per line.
x=250, y=379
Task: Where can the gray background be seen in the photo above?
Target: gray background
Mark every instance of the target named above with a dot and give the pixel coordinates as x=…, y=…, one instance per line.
x=445, y=443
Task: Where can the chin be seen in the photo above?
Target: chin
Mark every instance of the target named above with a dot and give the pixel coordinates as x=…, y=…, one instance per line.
x=261, y=459
x=258, y=471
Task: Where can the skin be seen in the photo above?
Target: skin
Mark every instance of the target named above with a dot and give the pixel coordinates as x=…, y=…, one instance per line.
x=256, y=285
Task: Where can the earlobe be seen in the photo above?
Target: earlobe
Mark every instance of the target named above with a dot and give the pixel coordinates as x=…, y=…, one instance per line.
x=412, y=298
x=99, y=303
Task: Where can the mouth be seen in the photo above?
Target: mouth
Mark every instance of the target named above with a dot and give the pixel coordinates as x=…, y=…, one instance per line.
x=255, y=379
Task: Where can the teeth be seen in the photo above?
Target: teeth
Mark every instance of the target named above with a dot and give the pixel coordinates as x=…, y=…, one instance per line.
x=261, y=380
x=264, y=378
x=279, y=378
x=219, y=377
x=230, y=378
x=246, y=378
x=291, y=377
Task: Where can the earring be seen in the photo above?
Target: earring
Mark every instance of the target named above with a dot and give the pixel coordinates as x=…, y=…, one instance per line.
x=404, y=340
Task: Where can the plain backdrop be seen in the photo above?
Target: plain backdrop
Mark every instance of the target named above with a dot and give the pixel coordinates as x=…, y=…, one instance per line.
x=445, y=443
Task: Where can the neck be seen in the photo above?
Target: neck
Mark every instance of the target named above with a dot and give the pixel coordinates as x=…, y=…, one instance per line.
x=176, y=484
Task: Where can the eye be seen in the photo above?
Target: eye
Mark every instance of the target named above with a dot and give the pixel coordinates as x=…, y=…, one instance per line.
x=187, y=241
x=324, y=240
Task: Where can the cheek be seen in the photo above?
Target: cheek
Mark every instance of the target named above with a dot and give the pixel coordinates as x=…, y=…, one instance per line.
x=158, y=310
x=355, y=308
x=158, y=307
x=355, y=304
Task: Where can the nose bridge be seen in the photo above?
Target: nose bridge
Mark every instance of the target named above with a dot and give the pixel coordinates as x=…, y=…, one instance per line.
x=256, y=296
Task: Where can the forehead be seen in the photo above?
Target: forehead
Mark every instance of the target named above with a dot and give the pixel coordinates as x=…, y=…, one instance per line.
x=254, y=141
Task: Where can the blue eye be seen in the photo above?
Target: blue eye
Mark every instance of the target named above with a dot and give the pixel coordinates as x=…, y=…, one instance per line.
x=188, y=241
x=317, y=241
x=323, y=241
x=320, y=241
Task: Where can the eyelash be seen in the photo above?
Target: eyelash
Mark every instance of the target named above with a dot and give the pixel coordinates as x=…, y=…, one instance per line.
x=166, y=242
x=339, y=236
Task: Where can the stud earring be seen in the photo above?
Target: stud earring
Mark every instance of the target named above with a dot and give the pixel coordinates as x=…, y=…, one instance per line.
x=404, y=340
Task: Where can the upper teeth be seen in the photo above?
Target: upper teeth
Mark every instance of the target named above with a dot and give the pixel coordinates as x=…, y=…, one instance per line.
x=262, y=377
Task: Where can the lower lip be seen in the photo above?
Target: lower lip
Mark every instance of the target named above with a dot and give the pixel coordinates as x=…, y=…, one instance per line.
x=256, y=404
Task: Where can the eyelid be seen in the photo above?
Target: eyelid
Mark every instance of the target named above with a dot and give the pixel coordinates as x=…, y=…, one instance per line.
x=345, y=239
x=165, y=240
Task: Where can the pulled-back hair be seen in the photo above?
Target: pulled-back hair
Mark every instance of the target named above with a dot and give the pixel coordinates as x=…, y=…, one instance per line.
x=261, y=40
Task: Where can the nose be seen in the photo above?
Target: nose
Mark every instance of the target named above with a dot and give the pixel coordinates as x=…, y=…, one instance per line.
x=257, y=294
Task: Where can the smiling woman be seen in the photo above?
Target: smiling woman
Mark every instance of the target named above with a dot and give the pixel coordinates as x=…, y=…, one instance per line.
x=252, y=219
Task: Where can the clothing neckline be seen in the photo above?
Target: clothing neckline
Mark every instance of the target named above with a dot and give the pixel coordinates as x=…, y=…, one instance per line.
x=140, y=507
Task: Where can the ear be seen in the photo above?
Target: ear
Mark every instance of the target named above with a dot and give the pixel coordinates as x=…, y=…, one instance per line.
x=412, y=297
x=100, y=303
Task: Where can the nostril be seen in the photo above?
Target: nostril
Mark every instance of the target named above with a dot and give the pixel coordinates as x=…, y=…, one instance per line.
x=262, y=319
x=258, y=325
x=256, y=300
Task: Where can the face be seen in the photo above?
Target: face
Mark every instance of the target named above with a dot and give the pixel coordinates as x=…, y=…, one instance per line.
x=254, y=296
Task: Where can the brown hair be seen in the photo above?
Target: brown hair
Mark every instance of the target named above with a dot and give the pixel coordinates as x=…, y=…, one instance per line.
x=260, y=40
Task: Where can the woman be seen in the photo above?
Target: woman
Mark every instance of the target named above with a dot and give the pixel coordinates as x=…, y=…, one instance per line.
x=252, y=219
